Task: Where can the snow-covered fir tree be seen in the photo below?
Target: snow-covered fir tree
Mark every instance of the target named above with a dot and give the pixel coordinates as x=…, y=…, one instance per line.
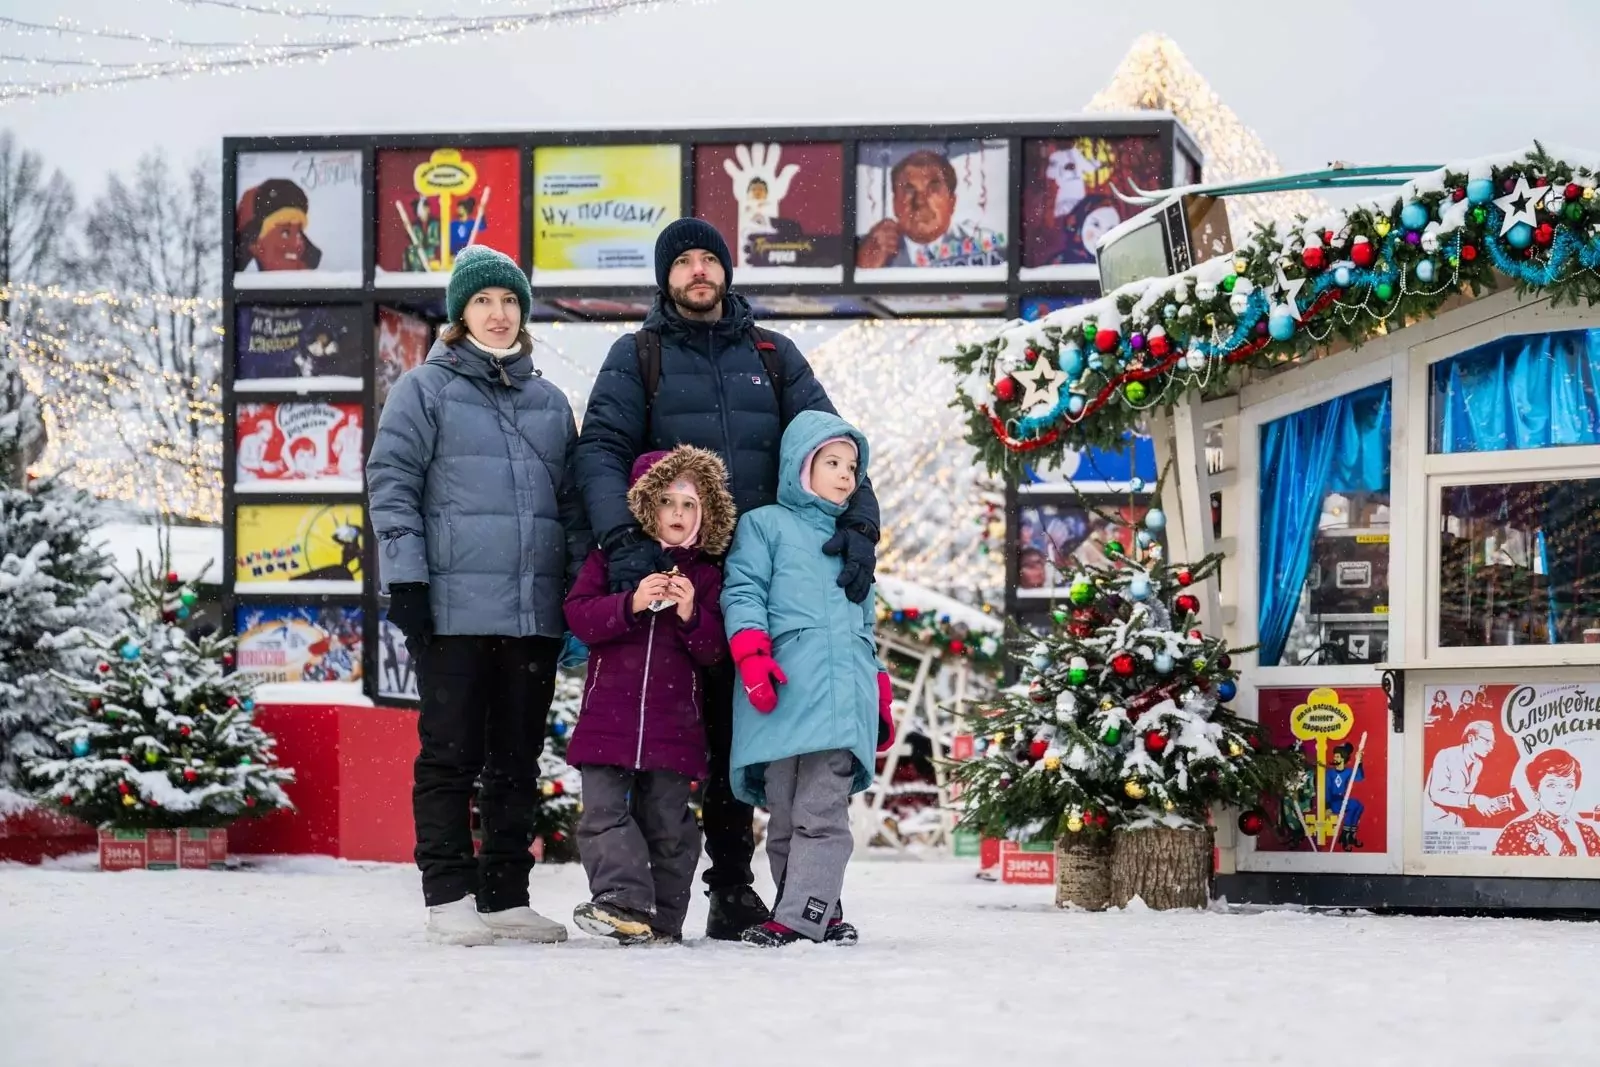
x=53, y=586
x=162, y=734
x=1121, y=717
x=560, y=784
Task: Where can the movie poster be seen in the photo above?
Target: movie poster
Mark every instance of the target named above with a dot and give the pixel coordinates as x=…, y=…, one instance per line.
x=597, y=211
x=1054, y=539
x=397, y=676
x=1069, y=199
x=1342, y=805
x=403, y=343
x=297, y=349
x=433, y=203
x=932, y=206
x=297, y=222
x=298, y=644
x=1511, y=770
x=298, y=447
x=298, y=548
x=780, y=207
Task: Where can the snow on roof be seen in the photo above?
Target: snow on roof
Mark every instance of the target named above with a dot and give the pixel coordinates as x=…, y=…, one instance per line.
x=899, y=593
x=194, y=548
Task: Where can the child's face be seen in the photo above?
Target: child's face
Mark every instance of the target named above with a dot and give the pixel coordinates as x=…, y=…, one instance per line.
x=677, y=517
x=833, y=472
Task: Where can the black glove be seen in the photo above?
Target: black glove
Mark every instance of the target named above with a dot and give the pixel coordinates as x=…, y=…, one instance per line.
x=859, y=554
x=631, y=557
x=409, y=610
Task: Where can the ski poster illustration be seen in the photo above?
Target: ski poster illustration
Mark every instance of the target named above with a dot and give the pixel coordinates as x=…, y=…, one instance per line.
x=397, y=676
x=297, y=222
x=780, y=206
x=1504, y=770
x=299, y=548
x=597, y=211
x=286, y=348
x=1342, y=804
x=433, y=203
x=297, y=447
x=403, y=342
x=299, y=644
x=932, y=206
x=1069, y=198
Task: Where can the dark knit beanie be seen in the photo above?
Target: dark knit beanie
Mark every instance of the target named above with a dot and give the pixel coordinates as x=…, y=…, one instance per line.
x=478, y=268
x=679, y=237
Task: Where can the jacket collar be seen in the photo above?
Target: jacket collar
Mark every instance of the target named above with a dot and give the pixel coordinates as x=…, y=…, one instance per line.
x=470, y=361
x=737, y=318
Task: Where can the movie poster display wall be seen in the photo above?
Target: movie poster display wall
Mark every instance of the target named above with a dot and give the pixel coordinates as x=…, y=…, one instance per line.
x=297, y=222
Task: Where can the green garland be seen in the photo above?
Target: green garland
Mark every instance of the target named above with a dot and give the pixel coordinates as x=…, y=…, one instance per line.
x=1109, y=364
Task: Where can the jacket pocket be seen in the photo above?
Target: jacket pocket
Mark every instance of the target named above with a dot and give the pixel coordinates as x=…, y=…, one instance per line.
x=438, y=529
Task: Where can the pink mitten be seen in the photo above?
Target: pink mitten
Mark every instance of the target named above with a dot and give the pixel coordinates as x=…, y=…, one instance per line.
x=885, y=712
x=752, y=653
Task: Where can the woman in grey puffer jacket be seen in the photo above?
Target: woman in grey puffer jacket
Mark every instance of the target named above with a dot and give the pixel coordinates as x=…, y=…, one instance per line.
x=480, y=532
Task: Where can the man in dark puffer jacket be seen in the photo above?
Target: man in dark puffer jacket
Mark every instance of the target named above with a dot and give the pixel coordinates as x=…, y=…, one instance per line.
x=714, y=391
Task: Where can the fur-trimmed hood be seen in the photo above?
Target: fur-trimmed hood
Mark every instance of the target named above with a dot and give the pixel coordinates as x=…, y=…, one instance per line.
x=653, y=472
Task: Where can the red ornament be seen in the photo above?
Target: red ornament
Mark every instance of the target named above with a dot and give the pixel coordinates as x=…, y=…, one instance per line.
x=1545, y=233
x=249, y=802
x=1224, y=661
x=958, y=648
x=153, y=802
x=1540, y=182
x=1159, y=345
x=1185, y=577
x=1328, y=237
x=557, y=836
x=1037, y=749
x=912, y=613
x=1251, y=823
x=1005, y=389
x=1458, y=194
x=94, y=703
x=1036, y=693
x=1196, y=634
x=1187, y=604
x=185, y=731
x=1122, y=663
x=65, y=800
x=1031, y=356
x=172, y=577
x=1362, y=254
x=104, y=668
x=189, y=774
x=1105, y=340
x=1081, y=629
x=122, y=787
x=1508, y=184
x=557, y=788
x=1313, y=257
x=233, y=702
x=1572, y=192
x=227, y=659
x=169, y=616
x=1155, y=742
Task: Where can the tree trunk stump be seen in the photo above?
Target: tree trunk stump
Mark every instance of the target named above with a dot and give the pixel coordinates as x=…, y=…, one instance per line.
x=1164, y=867
x=1083, y=871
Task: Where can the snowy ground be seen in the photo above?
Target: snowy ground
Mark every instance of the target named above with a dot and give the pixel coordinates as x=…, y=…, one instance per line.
x=309, y=962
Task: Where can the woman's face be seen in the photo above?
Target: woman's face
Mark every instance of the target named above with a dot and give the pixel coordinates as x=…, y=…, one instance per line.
x=493, y=317
x=1098, y=223
x=282, y=247
x=1557, y=792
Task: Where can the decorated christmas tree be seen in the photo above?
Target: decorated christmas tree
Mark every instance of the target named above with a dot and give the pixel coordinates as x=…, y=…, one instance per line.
x=1121, y=719
x=53, y=586
x=162, y=735
x=559, y=783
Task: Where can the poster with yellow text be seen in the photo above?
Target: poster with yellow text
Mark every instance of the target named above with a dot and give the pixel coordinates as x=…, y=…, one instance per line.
x=298, y=548
x=597, y=211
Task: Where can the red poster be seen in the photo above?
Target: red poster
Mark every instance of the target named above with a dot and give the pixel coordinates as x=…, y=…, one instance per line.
x=780, y=207
x=403, y=342
x=1343, y=802
x=1503, y=770
x=432, y=203
x=1069, y=199
x=298, y=446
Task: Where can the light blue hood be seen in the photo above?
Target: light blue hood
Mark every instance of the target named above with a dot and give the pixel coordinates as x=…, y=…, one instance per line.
x=806, y=433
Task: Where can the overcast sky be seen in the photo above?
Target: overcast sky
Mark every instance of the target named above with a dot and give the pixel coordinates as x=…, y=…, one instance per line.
x=1396, y=80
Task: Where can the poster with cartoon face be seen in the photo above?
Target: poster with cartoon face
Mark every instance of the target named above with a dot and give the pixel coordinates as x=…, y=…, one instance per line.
x=933, y=210
x=780, y=207
x=1069, y=199
x=1341, y=806
x=298, y=447
x=297, y=220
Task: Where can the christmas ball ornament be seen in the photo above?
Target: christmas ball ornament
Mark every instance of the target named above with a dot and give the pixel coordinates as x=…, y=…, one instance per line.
x=1425, y=271
x=1235, y=749
x=122, y=787
x=94, y=703
x=1059, y=616
x=1139, y=587
x=1071, y=361
x=1229, y=282
x=1573, y=191
x=548, y=789
x=1112, y=734
x=188, y=598
x=1078, y=670
x=1163, y=663
x=1122, y=664
x=1155, y=742
x=1238, y=302
x=1005, y=781
x=1005, y=389
x=1052, y=763
x=1520, y=235
x=1380, y=226
x=1031, y=357
x=66, y=799
x=1154, y=519
x=1075, y=404
x=558, y=787
x=1134, y=788
x=1383, y=290
x=185, y=731
x=1480, y=191
x=1088, y=331
x=1080, y=592
x=1113, y=548
x=1134, y=391
x=1414, y=216
x=1169, y=312
x=1362, y=253
x=244, y=761
x=1038, y=748
x=103, y=668
x=169, y=617
x=1545, y=233
x=249, y=802
x=1343, y=277
x=80, y=747
x=189, y=774
x=1136, y=341
x=1313, y=257
x=1074, y=824
x=1040, y=661
x=1195, y=361
x=1413, y=237
x=1429, y=241
x=1469, y=253
x=958, y=648
x=1573, y=211
x=1240, y=266
x=1135, y=485
x=1224, y=661
x=1036, y=692
x=1187, y=604
x=1251, y=823
x=1205, y=291
x=1479, y=216
x=172, y=577
x=128, y=801
x=1105, y=340
x=249, y=705
x=1227, y=691
x=1185, y=576
x=1159, y=345
x=130, y=651
x=152, y=757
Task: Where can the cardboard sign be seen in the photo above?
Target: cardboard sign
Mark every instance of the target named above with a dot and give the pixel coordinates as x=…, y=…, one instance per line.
x=1033, y=864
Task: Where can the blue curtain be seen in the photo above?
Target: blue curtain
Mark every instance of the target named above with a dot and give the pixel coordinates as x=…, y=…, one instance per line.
x=1535, y=391
x=1341, y=446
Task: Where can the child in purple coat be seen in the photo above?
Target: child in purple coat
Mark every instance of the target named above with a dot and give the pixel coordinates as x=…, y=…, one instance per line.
x=640, y=741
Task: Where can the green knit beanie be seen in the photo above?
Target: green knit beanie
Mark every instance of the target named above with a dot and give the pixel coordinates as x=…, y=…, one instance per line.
x=478, y=268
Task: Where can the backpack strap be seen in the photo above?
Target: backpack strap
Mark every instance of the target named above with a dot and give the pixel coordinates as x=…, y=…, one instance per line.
x=647, y=346
x=767, y=348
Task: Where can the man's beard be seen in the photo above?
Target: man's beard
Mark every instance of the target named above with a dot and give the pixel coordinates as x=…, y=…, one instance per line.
x=699, y=300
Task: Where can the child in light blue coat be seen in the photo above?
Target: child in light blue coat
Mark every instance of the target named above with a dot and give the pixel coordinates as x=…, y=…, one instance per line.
x=814, y=710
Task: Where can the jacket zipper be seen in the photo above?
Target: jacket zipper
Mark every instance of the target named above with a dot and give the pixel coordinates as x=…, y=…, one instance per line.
x=722, y=400
x=649, y=646
x=594, y=680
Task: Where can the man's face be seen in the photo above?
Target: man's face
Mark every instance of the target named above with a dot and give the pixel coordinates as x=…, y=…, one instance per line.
x=1480, y=745
x=697, y=280
x=283, y=247
x=1338, y=761
x=923, y=203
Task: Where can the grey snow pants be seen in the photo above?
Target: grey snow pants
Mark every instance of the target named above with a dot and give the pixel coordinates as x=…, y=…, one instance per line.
x=639, y=842
x=808, y=837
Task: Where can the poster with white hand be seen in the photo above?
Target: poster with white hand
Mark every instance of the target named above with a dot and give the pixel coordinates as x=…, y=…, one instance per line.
x=780, y=207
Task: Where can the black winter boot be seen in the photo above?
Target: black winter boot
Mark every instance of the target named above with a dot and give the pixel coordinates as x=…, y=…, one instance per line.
x=841, y=933
x=733, y=911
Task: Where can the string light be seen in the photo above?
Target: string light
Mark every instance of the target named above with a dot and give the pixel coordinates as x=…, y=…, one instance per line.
x=1155, y=75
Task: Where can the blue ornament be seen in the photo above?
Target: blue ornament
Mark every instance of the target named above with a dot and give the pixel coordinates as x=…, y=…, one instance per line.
x=1226, y=691
x=1163, y=663
x=80, y=747
x=1040, y=662
x=249, y=705
x=1071, y=361
x=182, y=612
x=1136, y=484
x=1094, y=361
x=559, y=729
x=1075, y=404
x=1139, y=587
x=899, y=616
x=1414, y=216
x=1170, y=311
x=130, y=651
x=1144, y=539
x=1480, y=190
x=1520, y=235
x=1154, y=519
x=1281, y=324
x=1425, y=270
x=1343, y=277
